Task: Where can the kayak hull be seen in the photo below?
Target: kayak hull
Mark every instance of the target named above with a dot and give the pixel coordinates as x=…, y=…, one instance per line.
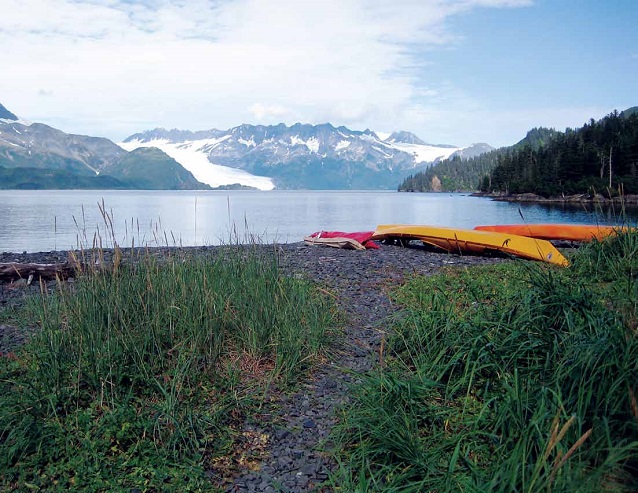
x=472, y=241
x=568, y=232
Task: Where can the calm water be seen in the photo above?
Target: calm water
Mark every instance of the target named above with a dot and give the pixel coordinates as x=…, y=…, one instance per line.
x=58, y=220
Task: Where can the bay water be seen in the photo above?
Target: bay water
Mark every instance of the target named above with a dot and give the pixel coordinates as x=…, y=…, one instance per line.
x=45, y=220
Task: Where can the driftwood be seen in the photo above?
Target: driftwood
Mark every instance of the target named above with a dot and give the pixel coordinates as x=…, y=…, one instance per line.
x=14, y=271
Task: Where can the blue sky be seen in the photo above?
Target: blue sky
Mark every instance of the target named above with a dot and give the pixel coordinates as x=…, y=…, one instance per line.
x=450, y=71
x=572, y=53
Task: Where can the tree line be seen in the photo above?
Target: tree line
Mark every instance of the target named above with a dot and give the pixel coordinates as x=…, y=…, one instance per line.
x=602, y=156
x=451, y=175
x=458, y=174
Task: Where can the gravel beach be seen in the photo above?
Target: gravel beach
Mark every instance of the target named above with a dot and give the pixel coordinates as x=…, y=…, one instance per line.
x=360, y=281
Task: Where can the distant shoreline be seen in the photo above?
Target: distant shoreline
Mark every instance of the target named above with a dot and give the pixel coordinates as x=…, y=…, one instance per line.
x=588, y=199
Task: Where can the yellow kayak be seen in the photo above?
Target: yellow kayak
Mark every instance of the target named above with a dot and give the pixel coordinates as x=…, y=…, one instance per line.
x=472, y=241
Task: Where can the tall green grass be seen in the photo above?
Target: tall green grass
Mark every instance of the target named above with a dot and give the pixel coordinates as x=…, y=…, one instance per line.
x=139, y=373
x=516, y=377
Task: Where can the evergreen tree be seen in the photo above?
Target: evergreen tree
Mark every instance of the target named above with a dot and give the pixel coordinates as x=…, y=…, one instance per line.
x=600, y=156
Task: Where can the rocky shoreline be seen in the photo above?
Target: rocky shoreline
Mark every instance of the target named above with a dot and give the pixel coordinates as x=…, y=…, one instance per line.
x=589, y=199
x=296, y=452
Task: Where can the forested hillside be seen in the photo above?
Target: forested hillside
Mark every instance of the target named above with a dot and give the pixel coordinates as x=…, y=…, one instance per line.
x=452, y=175
x=466, y=175
x=600, y=157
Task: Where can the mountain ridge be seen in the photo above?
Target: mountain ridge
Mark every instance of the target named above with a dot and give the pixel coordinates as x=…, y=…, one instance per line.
x=299, y=156
x=5, y=114
x=37, y=156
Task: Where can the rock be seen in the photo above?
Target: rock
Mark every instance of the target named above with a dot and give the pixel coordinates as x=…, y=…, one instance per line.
x=281, y=434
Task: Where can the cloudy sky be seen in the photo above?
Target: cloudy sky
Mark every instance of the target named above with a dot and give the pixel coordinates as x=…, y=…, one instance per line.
x=451, y=71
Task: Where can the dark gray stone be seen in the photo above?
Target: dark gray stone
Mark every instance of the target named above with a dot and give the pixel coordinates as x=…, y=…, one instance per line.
x=281, y=434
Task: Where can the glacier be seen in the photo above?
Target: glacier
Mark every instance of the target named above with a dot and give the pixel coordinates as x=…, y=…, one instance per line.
x=192, y=157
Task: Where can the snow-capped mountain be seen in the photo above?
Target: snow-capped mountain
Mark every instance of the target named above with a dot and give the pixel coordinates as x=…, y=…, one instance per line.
x=190, y=150
x=299, y=156
x=472, y=151
x=34, y=155
x=35, y=145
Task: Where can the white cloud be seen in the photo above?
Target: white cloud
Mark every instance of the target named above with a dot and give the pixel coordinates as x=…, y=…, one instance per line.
x=112, y=68
x=268, y=111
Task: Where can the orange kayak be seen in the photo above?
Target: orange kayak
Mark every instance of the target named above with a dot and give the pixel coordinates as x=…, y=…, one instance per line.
x=571, y=232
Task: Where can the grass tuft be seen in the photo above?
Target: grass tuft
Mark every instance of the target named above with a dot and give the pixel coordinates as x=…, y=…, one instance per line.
x=513, y=377
x=140, y=375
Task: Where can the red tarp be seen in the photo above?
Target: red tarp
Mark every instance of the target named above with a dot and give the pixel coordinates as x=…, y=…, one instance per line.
x=362, y=237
